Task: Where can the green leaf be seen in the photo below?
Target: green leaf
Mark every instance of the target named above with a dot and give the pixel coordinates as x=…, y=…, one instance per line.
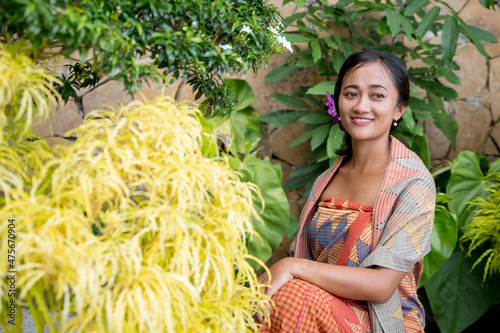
x=415, y=6
x=443, y=241
x=293, y=227
x=488, y=3
x=449, y=40
x=421, y=147
x=321, y=88
x=294, y=17
x=427, y=21
x=482, y=34
x=334, y=141
x=300, y=3
x=301, y=139
x=316, y=118
x=457, y=296
x=319, y=135
x=395, y=21
x=306, y=61
x=275, y=216
x=304, y=170
x=419, y=104
x=241, y=91
x=246, y=129
x=282, y=118
x=279, y=73
x=337, y=60
x=442, y=119
x=316, y=50
x=289, y=100
x=296, y=38
x=467, y=181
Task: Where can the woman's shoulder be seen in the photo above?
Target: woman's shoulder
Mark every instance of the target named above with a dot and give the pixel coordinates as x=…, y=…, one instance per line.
x=407, y=158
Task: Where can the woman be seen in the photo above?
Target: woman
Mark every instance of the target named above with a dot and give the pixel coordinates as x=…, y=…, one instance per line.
x=366, y=225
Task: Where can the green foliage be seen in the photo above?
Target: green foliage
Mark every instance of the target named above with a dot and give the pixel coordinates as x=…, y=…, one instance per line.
x=402, y=28
x=272, y=205
x=132, y=214
x=239, y=135
x=443, y=241
x=484, y=228
x=457, y=287
x=198, y=40
x=457, y=295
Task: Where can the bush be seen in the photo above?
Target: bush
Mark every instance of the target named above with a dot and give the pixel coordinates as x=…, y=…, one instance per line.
x=128, y=229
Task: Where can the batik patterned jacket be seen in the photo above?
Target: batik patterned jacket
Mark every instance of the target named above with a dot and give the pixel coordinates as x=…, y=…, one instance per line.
x=403, y=215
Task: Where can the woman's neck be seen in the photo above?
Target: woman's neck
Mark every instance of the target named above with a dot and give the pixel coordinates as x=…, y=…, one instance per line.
x=369, y=156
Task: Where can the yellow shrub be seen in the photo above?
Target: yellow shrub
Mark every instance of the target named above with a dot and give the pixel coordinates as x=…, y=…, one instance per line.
x=131, y=229
x=26, y=92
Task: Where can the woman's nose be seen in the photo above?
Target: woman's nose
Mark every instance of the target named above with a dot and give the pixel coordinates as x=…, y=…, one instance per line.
x=363, y=104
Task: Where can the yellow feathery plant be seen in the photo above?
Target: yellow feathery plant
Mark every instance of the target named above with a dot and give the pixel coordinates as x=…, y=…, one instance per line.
x=484, y=228
x=131, y=229
x=26, y=92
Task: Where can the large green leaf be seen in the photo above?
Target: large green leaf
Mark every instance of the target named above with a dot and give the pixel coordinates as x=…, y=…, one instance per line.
x=275, y=215
x=457, y=295
x=241, y=91
x=246, y=130
x=443, y=241
x=467, y=181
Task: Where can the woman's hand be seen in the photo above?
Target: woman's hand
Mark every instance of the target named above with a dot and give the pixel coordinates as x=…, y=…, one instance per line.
x=281, y=273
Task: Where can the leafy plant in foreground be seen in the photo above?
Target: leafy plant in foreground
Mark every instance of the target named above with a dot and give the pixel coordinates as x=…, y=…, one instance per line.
x=458, y=291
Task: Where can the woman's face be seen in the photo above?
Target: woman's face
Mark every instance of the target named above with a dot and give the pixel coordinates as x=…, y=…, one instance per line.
x=368, y=102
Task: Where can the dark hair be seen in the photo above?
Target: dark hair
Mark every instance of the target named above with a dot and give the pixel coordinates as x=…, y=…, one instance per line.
x=397, y=72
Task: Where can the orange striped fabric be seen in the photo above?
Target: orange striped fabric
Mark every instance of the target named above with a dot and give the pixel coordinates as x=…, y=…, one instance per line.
x=341, y=234
x=402, y=222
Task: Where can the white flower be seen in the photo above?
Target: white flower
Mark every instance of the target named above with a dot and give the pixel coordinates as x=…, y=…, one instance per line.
x=246, y=28
x=273, y=30
x=286, y=44
x=225, y=46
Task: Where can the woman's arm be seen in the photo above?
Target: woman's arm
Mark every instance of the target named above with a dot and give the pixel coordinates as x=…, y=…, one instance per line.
x=367, y=284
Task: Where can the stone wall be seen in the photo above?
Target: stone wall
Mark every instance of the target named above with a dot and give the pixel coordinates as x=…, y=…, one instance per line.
x=476, y=108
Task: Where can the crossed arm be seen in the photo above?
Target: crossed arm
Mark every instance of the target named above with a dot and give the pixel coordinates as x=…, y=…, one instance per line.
x=368, y=284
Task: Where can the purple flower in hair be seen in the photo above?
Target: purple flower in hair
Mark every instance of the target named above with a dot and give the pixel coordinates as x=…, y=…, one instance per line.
x=333, y=112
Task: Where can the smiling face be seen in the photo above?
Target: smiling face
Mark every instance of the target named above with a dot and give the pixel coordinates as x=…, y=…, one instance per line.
x=368, y=102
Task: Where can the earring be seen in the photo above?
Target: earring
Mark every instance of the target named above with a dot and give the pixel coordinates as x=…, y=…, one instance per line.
x=395, y=123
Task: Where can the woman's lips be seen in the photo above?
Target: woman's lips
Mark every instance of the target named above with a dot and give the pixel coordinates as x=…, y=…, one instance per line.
x=361, y=121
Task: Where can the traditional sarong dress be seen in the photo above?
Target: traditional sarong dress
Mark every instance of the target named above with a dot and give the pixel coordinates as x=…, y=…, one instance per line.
x=395, y=233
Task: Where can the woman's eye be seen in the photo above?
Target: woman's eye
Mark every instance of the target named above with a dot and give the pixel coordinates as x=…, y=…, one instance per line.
x=350, y=94
x=379, y=96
